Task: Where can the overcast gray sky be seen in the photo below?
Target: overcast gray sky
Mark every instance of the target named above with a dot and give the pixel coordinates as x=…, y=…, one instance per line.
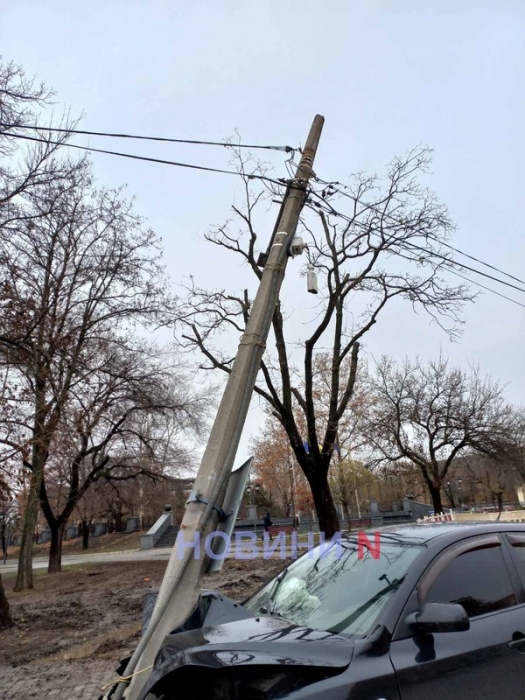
x=386, y=75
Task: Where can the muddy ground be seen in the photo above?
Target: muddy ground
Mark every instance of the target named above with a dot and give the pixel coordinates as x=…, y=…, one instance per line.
x=74, y=627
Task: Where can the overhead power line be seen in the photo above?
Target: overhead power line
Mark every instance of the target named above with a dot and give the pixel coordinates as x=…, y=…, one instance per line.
x=264, y=178
x=35, y=127
x=333, y=187
x=482, y=262
x=328, y=208
x=489, y=289
x=466, y=267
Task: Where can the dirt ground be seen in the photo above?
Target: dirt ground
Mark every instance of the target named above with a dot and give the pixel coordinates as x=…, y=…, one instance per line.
x=73, y=628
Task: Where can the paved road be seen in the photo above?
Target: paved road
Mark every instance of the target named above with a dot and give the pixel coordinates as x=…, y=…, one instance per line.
x=162, y=553
x=94, y=558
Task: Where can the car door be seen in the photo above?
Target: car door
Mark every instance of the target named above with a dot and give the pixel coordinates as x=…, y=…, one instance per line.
x=485, y=661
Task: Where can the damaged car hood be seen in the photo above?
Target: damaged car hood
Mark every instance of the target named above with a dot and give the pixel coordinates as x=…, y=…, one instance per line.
x=249, y=640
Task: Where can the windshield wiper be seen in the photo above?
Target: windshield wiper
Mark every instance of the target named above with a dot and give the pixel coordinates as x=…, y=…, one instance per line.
x=341, y=626
x=268, y=608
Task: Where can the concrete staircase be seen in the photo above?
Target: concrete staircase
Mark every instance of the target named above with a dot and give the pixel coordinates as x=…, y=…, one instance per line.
x=168, y=537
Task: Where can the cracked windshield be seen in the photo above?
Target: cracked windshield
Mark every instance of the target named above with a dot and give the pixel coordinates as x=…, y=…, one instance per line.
x=338, y=587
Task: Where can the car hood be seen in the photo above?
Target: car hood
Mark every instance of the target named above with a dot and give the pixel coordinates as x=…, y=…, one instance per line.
x=265, y=640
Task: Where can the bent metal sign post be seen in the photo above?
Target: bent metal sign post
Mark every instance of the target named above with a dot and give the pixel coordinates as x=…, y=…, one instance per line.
x=246, y=545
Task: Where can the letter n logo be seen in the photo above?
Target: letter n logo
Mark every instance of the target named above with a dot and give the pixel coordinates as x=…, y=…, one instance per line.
x=363, y=541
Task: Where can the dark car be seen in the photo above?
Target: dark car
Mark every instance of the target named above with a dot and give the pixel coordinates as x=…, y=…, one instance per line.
x=434, y=611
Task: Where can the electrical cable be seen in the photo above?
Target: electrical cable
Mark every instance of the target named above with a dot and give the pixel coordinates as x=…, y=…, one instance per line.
x=334, y=212
x=448, y=245
x=482, y=262
x=466, y=267
x=452, y=262
x=286, y=149
x=278, y=181
x=332, y=184
x=489, y=289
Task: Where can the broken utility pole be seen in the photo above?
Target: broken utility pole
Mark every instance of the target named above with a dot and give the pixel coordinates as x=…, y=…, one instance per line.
x=182, y=583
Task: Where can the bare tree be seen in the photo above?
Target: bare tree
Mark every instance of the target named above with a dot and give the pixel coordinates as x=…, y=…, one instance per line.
x=27, y=164
x=431, y=414
x=79, y=270
x=509, y=449
x=127, y=415
x=8, y=514
x=494, y=475
x=389, y=246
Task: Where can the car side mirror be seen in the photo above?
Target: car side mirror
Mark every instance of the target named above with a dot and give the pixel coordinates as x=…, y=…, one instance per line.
x=439, y=617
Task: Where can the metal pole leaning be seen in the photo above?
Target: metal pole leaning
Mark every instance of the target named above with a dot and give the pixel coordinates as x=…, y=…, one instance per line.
x=182, y=583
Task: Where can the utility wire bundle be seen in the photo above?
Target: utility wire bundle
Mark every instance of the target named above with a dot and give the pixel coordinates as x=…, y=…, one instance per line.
x=321, y=201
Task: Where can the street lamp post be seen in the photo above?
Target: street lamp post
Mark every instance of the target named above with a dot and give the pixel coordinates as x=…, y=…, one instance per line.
x=392, y=487
x=451, y=495
x=357, y=503
x=292, y=485
x=454, y=487
x=250, y=489
x=292, y=481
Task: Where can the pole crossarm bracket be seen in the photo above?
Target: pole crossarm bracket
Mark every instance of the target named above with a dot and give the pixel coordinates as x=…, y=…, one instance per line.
x=196, y=497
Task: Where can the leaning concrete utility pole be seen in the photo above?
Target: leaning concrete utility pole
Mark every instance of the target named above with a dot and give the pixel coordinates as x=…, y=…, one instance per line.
x=182, y=583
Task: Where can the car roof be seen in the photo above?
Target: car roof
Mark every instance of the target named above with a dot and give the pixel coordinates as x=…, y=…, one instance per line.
x=425, y=532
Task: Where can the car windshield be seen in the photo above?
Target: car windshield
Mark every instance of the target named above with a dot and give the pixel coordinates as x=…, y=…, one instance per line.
x=338, y=587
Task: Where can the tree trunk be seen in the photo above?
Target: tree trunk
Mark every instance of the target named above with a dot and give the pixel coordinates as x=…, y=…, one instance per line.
x=55, y=550
x=85, y=534
x=24, y=578
x=5, y=617
x=324, y=504
x=435, y=494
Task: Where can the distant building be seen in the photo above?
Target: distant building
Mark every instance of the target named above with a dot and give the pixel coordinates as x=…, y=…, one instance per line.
x=521, y=496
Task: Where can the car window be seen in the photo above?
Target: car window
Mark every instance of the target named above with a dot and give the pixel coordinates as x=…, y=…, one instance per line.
x=518, y=545
x=477, y=579
x=520, y=550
